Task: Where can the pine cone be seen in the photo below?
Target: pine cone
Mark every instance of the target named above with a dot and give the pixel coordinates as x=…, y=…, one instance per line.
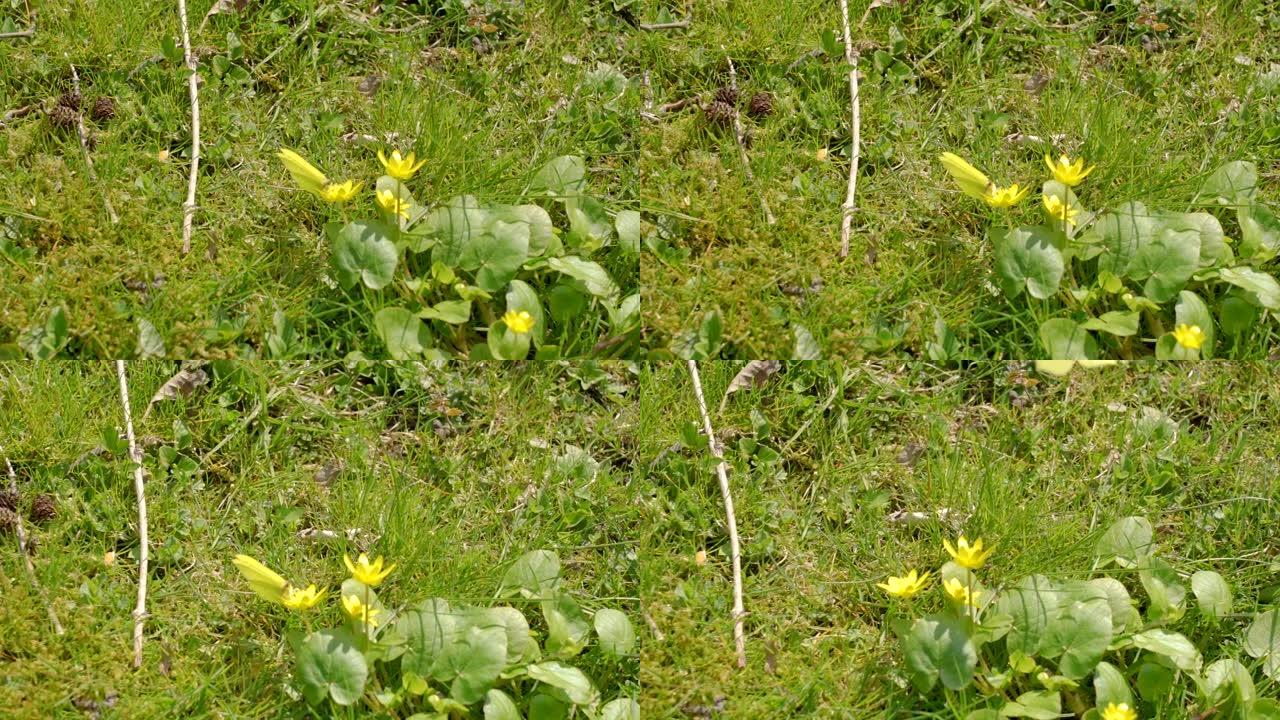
x=8, y=520
x=761, y=105
x=9, y=499
x=62, y=116
x=727, y=95
x=719, y=113
x=43, y=509
x=104, y=108
x=70, y=100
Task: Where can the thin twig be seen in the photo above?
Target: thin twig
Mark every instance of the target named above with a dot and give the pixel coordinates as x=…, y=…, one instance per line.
x=742, y=143
x=15, y=113
x=84, y=148
x=680, y=104
x=735, y=554
x=19, y=34
x=22, y=547
x=676, y=25
x=140, y=611
x=851, y=57
x=189, y=207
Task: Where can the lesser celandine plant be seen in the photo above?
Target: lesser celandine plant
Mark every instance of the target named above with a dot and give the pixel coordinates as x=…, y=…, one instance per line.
x=1123, y=280
x=476, y=279
x=1047, y=647
x=432, y=660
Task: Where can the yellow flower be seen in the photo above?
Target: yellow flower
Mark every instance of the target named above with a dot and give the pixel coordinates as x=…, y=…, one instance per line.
x=999, y=197
x=970, y=179
x=303, y=172
x=264, y=581
x=1066, y=172
x=296, y=599
x=340, y=192
x=1119, y=712
x=968, y=556
x=905, y=586
x=359, y=611
x=519, y=323
x=400, y=168
x=369, y=573
x=959, y=592
x=393, y=203
x=1190, y=337
x=1058, y=209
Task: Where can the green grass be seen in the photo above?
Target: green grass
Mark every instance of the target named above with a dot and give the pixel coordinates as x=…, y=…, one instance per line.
x=1038, y=468
x=450, y=472
x=1155, y=111
x=486, y=113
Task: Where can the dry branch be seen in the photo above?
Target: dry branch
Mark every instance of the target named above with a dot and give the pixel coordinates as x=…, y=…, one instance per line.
x=189, y=207
x=734, y=552
x=140, y=611
x=851, y=57
x=84, y=148
x=22, y=547
x=19, y=34
x=742, y=143
x=678, y=24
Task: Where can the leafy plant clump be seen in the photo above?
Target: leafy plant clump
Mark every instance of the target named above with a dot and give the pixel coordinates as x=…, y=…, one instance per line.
x=1042, y=646
x=478, y=279
x=1130, y=281
x=432, y=660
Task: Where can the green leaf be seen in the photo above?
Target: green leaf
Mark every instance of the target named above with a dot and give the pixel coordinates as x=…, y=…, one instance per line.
x=1167, y=262
x=1263, y=636
x=150, y=344
x=330, y=666
x=455, y=224
x=594, y=277
x=542, y=234
x=536, y=574
x=499, y=706
x=1122, y=234
x=562, y=177
x=1117, y=322
x=1063, y=339
x=620, y=709
x=1155, y=681
x=474, y=661
x=43, y=343
x=1228, y=686
x=1163, y=588
x=522, y=297
x=1127, y=541
x=1172, y=645
x=428, y=628
x=1038, y=705
x=702, y=344
x=504, y=344
x=363, y=251
x=497, y=254
x=521, y=646
x=566, y=303
x=1212, y=593
x=453, y=312
x=1191, y=310
x=1261, y=287
x=1109, y=686
x=545, y=707
x=936, y=647
x=575, y=684
x=1030, y=602
x=1236, y=314
x=627, y=224
x=617, y=637
x=1259, y=233
x=1233, y=183
x=402, y=332
x=1028, y=258
x=1124, y=613
x=589, y=226
x=1080, y=635
x=807, y=347
x=567, y=627
x=1264, y=709
x=1213, y=247
x=983, y=714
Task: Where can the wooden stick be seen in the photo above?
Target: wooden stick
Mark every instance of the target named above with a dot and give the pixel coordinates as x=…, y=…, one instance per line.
x=851, y=57
x=19, y=34
x=189, y=207
x=140, y=611
x=667, y=25
x=84, y=148
x=735, y=554
x=742, y=143
x=22, y=547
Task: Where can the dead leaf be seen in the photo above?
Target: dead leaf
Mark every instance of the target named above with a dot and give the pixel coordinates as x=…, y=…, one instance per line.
x=223, y=6
x=182, y=384
x=752, y=375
